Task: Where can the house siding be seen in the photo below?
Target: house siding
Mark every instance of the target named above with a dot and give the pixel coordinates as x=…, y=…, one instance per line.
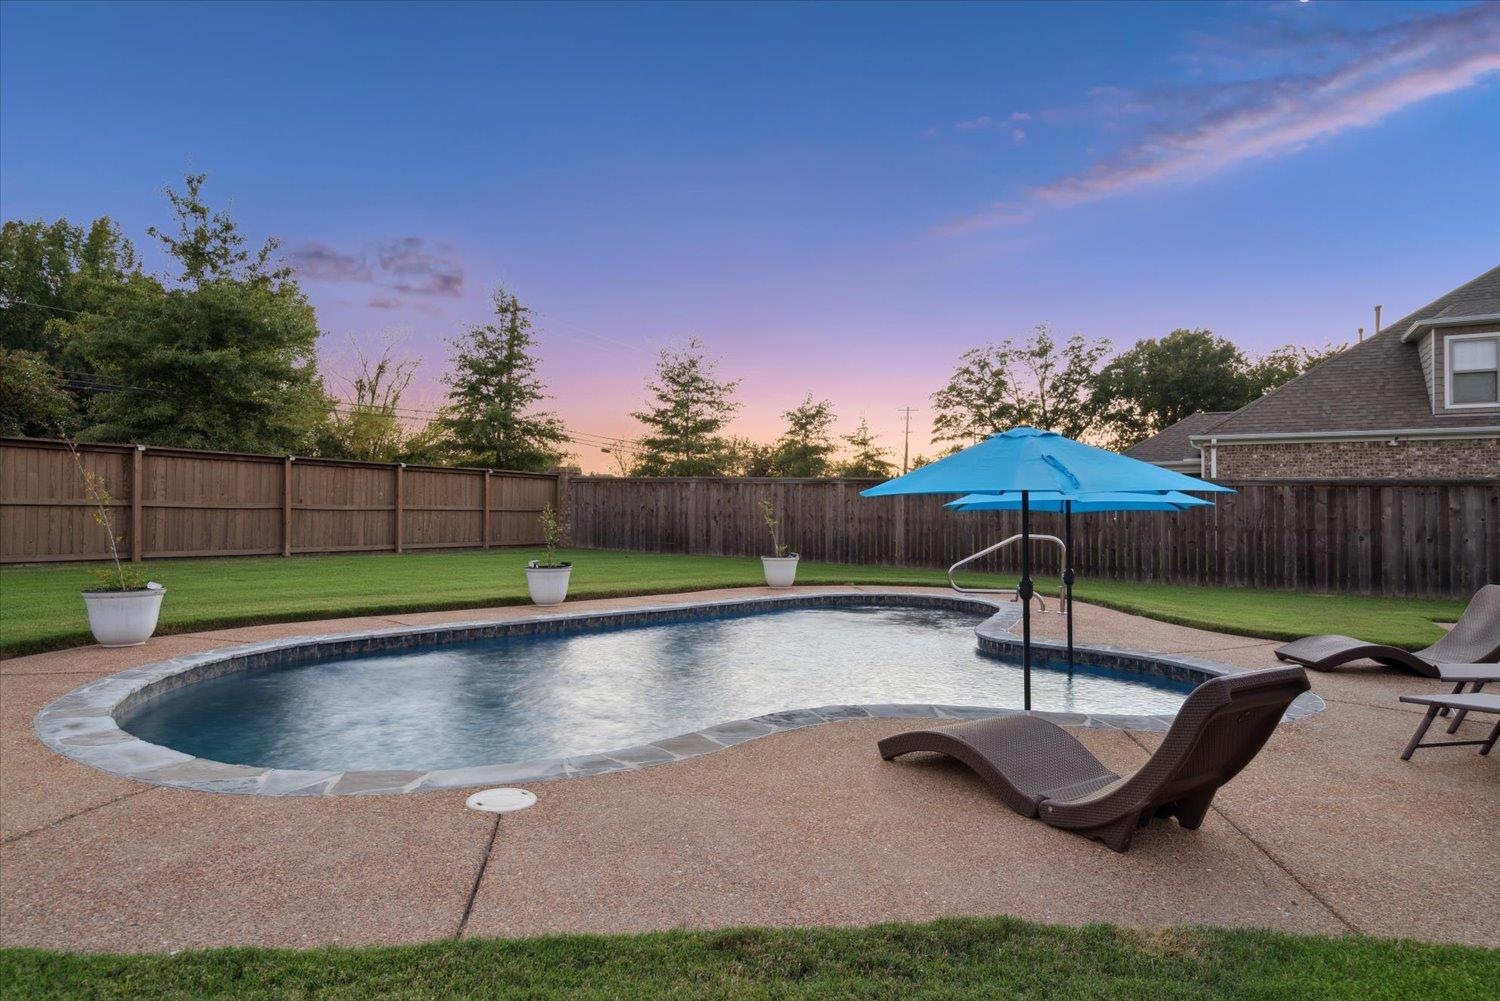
x=1440, y=374
x=1419, y=459
x=1424, y=351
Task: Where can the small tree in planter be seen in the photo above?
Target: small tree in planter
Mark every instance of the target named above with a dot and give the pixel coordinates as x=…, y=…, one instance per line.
x=122, y=604
x=547, y=580
x=781, y=566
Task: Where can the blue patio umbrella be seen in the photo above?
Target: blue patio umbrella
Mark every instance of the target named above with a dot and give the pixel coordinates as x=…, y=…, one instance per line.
x=1025, y=460
x=1075, y=503
x=1079, y=503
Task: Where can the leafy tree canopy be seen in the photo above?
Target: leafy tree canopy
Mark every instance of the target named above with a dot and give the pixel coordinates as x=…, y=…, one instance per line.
x=1160, y=381
x=208, y=245
x=745, y=457
x=1037, y=382
x=866, y=458
x=53, y=271
x=1278, y=367
x=224, y=360
x=685, y=415
x=32, y=400
x=806, y=447
x=491, y=417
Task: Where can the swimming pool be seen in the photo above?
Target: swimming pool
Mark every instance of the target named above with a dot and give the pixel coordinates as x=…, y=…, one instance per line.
x=558, y=694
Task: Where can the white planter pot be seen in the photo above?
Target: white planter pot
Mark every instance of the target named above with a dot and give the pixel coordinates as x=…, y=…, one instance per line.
x=123, y=618
x=781, y=571
x=548, y=585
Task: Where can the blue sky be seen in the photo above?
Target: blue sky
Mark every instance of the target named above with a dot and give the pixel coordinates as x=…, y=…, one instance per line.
x=837, y=199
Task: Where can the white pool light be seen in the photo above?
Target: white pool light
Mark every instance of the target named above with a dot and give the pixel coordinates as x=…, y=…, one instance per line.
x=501, y=800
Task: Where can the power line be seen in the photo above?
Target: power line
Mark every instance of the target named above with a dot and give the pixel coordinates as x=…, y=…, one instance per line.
x=39, y=305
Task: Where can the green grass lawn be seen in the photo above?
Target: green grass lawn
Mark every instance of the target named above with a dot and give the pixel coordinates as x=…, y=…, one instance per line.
x=968, y=958
x=40, y=608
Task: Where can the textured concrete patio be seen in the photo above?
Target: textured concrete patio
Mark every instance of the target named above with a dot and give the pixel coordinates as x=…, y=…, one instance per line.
x=1327, y=831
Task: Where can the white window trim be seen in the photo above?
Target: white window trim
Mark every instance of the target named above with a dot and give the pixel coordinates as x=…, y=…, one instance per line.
x=1448, y=369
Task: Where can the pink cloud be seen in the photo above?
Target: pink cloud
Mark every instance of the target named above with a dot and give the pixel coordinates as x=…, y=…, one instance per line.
x=992, y=215
x=1208, y=128
x=986, y=122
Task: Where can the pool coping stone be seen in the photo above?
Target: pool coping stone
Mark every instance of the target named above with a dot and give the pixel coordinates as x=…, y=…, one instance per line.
x=84, y=723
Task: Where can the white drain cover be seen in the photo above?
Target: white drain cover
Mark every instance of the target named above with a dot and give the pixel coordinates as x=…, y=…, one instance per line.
x=501, y=800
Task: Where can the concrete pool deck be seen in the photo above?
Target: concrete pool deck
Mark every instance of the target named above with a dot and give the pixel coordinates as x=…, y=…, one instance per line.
x=1327, y=831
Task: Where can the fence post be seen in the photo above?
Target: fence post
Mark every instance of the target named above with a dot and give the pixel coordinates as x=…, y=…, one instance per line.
x=400, y=521
x=484, y=526
x=286, y=506
x=137, y=460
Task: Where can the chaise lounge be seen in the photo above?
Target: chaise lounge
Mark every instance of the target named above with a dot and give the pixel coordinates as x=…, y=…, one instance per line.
x=1474, y=639
x=1040, y=771
x=1460, y=705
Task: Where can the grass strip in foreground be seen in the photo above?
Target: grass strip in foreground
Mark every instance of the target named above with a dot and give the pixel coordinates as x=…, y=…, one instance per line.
x=958, y=958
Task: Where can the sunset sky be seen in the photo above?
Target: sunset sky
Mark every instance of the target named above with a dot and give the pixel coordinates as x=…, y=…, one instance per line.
x=836, y=199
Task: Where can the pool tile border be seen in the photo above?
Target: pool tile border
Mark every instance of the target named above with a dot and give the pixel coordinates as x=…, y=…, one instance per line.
x=84, y=723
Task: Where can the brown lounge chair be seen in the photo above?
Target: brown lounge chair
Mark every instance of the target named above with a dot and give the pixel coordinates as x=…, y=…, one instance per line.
x=1461, y=705
x=1474, y=639
x=1041, y=771
x=1476, y=676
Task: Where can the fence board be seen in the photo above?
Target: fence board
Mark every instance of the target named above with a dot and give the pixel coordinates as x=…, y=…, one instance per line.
x=185, y=502
x=1437, y=539
x=1384, y=537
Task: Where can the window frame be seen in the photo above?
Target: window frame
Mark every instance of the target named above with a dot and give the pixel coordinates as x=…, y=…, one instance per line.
x=1448, y=343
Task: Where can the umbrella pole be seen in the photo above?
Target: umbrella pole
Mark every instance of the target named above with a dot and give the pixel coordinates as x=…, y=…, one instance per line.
x=1068, y=572
x=1024, y=589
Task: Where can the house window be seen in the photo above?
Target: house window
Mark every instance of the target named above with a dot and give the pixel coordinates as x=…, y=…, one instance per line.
x=1473, y=370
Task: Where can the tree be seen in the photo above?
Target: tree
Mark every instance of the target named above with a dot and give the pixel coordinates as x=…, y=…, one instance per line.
x=686, y=414
x=32, y=400
x=744, y=457
x=223, y=359
x=867, y=460
x=370, y=427
x=208, y=245
x=1158, y=382
x=1278, y=367
x=1003, y=385
x=493, y=391
x=53, y=271
x=806, y=447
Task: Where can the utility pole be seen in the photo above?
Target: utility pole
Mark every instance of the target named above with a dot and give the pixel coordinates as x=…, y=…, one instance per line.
x=906, y=446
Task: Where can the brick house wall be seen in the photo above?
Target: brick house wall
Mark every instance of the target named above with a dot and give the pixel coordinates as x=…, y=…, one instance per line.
x=1420, y=459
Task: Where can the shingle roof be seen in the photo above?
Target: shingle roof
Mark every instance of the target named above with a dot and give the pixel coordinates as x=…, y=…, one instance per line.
x=1376, y=385
x=1171, y=444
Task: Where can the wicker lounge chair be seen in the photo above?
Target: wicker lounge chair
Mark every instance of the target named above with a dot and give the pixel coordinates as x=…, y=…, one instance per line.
x=1041, y=771
x=1475, y=639
x=1461, y=705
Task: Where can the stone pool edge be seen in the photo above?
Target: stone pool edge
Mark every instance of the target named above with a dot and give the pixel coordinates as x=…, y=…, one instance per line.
x=82, y=724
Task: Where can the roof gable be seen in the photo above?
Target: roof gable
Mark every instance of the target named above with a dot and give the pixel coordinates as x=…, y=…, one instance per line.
x=1376, y=385
x=1171, y=444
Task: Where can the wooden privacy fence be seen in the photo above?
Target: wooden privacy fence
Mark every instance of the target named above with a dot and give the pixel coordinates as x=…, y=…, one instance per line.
x=1386, y=537
x=185, y=502
x=1439, y=539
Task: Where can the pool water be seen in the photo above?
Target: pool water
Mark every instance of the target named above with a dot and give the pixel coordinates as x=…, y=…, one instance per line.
x=525, y=698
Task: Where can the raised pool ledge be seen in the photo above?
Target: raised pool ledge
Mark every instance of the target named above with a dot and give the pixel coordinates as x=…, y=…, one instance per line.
x=84, y=723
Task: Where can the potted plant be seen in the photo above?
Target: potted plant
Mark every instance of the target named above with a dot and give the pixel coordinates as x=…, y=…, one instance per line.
x=122, y=604
x=547, y=580
x=780, y=566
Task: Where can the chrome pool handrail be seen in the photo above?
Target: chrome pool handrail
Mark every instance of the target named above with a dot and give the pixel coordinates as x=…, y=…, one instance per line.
x=995, y=548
